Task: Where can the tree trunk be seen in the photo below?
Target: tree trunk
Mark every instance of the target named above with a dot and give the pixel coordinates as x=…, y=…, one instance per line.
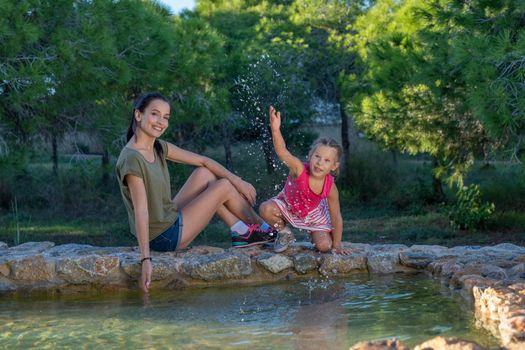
x=54, y=156
x=226, y=143
x=105, y=168
x=437, y=185
x=394, y=156
x=345, y=138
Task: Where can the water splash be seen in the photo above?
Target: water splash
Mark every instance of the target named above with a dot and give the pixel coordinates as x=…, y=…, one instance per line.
x=314, y=284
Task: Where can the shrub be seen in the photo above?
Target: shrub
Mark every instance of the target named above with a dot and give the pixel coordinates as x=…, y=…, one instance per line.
x=468, y=211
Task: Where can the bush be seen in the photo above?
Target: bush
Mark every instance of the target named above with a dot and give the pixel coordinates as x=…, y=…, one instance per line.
x=468, y=212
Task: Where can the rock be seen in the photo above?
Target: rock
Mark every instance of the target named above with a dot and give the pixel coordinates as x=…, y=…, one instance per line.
x=164, y=267
x=204, y=250
x=5, y=270
x=416, y=259
x=467, y=282
x=492, y=271
x=70, y=250
x=509, y=247
x=519, y=258
x=34, y=268
x=218, y=266
x=130, y=264
x=383, y=262
x=87, y=268
x=250, y=252
x=333, y=264
x=434, y=248
x=444, y=267
x=358, y=247
x=275, y=263
x=389, y=344
x=442, y=343
x=470, y=270
x=501, y=310
x=518, y=345
x=518, y=288
x=305, y=262
x=517, y=271
x=31, y=247
x=6, y=285
x=394, y=248
x=303, y=245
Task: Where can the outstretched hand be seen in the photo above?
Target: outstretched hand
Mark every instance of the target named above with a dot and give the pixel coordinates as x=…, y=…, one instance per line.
x=275, y=119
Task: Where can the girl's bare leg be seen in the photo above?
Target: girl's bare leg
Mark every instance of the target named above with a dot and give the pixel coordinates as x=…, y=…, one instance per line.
x=198, y=213
x=198, y=182
x=271, y=213
x=322, y=240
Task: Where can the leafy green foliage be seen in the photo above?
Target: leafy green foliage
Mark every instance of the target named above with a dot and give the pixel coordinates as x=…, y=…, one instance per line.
x=469, y=212
x=409, y=95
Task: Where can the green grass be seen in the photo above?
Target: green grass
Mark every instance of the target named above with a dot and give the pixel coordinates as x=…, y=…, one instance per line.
x=429, y=228
x=434, y=228
x=61, y=231
x=393, y=208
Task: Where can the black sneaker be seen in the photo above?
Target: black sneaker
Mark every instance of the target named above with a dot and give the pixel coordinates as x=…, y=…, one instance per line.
x=254, y=236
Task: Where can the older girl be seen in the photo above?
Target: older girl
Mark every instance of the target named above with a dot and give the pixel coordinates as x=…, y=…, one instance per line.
x=163, y=223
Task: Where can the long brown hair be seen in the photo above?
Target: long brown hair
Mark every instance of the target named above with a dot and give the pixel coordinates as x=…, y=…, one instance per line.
x=140, y=105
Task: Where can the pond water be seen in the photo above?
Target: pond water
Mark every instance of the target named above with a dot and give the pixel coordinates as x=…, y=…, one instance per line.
x=300, y=314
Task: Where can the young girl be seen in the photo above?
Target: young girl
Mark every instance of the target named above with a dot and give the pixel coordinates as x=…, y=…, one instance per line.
x=165, y=224
x=310, y=199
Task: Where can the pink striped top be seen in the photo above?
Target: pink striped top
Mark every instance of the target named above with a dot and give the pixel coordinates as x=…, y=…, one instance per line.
x=300, y=196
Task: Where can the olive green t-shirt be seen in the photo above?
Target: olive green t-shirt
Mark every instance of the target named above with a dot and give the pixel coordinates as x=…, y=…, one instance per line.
x=162, y=212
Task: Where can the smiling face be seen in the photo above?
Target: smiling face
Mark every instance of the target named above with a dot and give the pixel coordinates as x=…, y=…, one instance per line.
x=323, y=160
x=153, y=121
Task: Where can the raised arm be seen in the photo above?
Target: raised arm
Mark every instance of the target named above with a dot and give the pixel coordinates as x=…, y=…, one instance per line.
x=337, y=221
x=293, y=163
x=179, y=155
x=140, y=208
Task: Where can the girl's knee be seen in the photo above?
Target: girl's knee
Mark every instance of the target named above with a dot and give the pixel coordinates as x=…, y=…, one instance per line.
x=224, y=184
x=323, y=241
x=204, y=174
x=266, y=208
x=324, y=246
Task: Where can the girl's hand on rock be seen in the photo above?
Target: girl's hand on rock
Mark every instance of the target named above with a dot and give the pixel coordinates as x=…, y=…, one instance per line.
x=342, y=251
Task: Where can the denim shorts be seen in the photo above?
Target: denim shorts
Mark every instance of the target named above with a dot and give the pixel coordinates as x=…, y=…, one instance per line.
x=168, y=240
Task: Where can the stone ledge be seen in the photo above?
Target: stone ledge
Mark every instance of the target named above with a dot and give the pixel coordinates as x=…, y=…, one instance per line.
x=493, y=277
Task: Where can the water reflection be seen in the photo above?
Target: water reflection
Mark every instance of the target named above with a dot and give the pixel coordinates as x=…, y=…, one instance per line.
x=308, y=314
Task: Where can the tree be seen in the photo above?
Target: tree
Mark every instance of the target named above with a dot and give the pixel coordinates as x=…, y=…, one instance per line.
x=257, y=63
x=489, y=48
x=410, y=95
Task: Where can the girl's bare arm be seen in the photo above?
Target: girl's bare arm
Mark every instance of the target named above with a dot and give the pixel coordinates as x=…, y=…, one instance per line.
x=337, y=220
x=179, y=155
x=293, y=163
x=140, y=208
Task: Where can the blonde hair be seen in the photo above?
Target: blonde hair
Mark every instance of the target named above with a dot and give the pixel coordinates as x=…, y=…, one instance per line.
x=329, y=142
